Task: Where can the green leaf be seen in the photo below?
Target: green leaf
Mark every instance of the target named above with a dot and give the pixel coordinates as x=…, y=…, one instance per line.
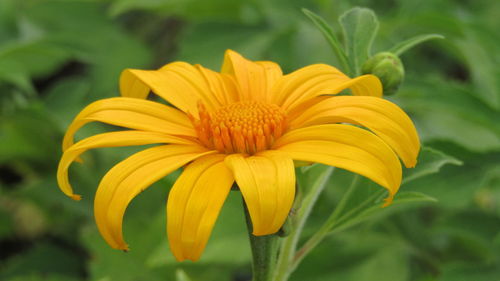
x=7, y=20
x=444, y=110
x=6, y=220
x=12, y=72
x=429, y=162
x=466, y=271
x=458, y=187
x=402, y=47
x=35, y=261
x=83, y=30
x=360, y=25
x=24, y=135
x=478, y=49
x=180, y=275
x=119, y=7
x=330, y=37
x=355, y=256
x=356, y=216
x=36, y=57
x=66, y=98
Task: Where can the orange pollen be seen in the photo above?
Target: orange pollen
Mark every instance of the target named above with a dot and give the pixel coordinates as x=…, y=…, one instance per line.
x=240, y=127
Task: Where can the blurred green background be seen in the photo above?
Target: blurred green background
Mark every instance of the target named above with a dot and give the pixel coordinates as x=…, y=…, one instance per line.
x=58, y=56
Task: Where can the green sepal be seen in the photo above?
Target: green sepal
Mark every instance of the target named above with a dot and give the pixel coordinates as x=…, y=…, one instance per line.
x=403, y=46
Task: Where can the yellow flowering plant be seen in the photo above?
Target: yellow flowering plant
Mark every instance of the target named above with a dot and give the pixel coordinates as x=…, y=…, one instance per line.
x=247, y=126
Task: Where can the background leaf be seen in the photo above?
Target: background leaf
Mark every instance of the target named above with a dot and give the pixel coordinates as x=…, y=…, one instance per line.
x=360, y=25
x=429, y=162
x=330, y=37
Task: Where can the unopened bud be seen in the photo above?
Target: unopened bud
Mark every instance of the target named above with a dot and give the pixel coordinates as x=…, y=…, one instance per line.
x=388, y=68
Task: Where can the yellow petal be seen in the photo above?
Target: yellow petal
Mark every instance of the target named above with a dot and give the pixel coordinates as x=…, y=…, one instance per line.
x=132, y=87
x=346, y=147
x=267, y=183
x=179, y=83
x=254, y=79
x=130, y=177
x=134, y=114
x=222, y=85
x=273, y=73
x=382, y=117
x=194, y=203
x=113, y=139
x=320, y=79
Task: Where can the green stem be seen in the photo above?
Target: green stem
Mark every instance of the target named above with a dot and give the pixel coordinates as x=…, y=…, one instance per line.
x=335, y=220
x=264, y=253
x=326, y=227
x=289, y=245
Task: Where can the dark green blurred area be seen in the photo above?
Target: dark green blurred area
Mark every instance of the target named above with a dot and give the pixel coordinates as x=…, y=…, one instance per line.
x=58, y=56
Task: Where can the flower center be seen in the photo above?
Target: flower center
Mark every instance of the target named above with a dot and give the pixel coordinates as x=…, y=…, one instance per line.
x=241, y=127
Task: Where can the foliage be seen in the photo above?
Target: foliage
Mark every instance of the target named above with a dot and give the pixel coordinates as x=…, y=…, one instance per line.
x=56, y=56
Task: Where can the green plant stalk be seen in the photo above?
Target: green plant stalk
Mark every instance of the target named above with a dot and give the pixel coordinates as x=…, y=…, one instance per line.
x=264, y=252
x=333, y=222
x=332, y=40
x=289, y=244
x=343, y=222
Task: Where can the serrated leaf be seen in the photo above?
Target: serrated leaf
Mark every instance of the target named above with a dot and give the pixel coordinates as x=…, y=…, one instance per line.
x=360, y=25
x=402, y=47
x=330, y=37
x=429, y=162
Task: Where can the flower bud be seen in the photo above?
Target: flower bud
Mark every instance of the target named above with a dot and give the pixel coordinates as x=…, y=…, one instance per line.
x=388, y=68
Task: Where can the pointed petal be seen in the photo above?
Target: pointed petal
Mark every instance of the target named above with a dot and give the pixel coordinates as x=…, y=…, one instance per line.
x=267, y=182
x=113, y=139
x=130, y=177
x=254, y=79
x=179, y=83
x=194, y=203
x=285, y=186
x=132, y=87
x=320, y=79
x=273, y=73
x=346, y=147
x=382, y=117
x=134, y=114
x=222, y=86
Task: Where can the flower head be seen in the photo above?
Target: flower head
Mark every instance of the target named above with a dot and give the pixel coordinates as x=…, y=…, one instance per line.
x=246, y=124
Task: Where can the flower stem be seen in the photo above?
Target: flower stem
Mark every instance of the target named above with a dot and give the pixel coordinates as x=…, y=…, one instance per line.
x=327, y=227
x=264, y=252
x=285, y=265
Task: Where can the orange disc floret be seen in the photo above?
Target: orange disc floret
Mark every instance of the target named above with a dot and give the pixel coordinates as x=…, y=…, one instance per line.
x=240, y=127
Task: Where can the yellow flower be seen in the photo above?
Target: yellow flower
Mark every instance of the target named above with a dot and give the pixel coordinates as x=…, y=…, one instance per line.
x=247, y=124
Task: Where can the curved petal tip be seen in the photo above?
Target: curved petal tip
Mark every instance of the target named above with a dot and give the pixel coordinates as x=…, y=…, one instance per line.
x=388, y=201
